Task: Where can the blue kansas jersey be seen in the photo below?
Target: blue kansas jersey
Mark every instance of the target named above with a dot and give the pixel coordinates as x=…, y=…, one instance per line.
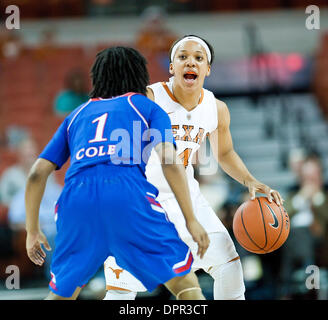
x=107, y=206
x=120, y=131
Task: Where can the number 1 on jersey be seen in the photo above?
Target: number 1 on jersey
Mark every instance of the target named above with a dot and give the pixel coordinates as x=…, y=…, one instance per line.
x=100, y=128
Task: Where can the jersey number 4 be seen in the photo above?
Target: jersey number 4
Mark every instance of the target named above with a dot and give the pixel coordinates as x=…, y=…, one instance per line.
x=185, y=155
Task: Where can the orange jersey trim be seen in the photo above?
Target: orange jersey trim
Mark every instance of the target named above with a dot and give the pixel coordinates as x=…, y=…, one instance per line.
x=201, y=96
x=116, y=288
x=234, y=259
x=168, y=91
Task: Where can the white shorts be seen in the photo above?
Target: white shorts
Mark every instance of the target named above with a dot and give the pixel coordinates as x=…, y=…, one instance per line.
x=203, y=212
x=118, y=279
x=220, y=251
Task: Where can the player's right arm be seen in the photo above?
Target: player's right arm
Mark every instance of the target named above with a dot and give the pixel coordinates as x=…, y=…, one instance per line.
x=52, y=158
x=35, y=186
x=174, y=172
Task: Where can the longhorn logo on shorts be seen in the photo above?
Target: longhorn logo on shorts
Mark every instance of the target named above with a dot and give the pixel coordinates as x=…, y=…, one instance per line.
x=117, y=272
x=276, y=222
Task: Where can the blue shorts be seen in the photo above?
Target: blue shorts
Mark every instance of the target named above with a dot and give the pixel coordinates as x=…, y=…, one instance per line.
x=106, y=211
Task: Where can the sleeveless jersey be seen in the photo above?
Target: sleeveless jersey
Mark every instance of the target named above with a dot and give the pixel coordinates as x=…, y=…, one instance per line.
x=189, y=130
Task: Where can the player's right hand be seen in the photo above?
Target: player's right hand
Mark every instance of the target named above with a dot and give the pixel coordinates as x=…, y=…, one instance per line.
x=199, y=235
x=34, y=249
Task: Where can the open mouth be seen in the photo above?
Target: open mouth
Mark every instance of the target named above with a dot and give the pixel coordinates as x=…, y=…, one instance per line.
x=190, y=76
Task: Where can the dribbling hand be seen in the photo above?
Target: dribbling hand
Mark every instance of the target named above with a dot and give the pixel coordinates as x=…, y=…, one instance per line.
x=256, y=186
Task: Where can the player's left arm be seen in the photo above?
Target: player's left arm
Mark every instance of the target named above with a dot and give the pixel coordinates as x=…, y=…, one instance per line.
x=223, y=150
x=35, y=186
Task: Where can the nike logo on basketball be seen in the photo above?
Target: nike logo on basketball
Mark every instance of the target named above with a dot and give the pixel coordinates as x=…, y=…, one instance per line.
x=117, y=272
x=276, y=222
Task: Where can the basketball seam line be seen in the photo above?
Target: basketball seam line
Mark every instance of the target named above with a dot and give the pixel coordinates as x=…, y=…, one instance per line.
x=250, y=238
x=265, y=232
x=250, y=249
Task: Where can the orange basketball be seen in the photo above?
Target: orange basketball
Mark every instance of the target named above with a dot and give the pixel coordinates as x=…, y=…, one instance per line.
x=261, y=226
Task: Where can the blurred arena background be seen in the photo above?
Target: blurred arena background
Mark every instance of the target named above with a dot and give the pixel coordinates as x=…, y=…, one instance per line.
x=270, y=70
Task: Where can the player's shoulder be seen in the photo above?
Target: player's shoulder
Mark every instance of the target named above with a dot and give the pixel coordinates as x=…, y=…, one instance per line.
x=223, y=114
x=208, y=92
x=138, y=96
x=221, y=106
x=150, y=93
x=71, y=117
x=144, y=104
x=156, y=85
x=81, y=107
x=141, y=99
x=156, y=89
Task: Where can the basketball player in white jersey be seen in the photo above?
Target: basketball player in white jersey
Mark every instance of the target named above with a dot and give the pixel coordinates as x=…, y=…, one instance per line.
x=194, y=113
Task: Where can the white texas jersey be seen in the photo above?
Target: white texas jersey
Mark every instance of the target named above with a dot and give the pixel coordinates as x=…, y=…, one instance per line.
x=189, y=129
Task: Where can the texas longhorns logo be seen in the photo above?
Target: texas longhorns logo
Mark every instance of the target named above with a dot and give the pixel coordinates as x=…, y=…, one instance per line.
x=188, y=132
x=116, y=271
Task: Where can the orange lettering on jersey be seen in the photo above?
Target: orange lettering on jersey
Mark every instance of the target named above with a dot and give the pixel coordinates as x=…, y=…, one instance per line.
x=185, y=155
x=199, y=137
x=187, y=130
x=116, y=271
x=174, y=131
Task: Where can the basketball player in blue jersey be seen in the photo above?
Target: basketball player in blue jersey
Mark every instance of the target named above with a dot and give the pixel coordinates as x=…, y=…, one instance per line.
x=107, y=206
x=195, y=113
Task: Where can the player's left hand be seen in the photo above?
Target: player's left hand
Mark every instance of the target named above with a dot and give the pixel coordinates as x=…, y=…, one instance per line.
x=256, y=186
x=34, y=249
x=199, y=235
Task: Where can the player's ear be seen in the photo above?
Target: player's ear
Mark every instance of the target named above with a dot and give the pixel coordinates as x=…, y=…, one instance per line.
x=171, y=70
x=208, y=70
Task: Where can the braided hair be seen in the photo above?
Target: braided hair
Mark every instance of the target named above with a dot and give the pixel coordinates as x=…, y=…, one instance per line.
x=118, y=70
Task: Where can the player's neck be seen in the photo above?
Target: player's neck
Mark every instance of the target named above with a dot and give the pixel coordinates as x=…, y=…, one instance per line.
x=189, y=99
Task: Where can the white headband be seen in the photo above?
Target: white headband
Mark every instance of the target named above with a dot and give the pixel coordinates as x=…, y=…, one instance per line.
x=196, y=39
